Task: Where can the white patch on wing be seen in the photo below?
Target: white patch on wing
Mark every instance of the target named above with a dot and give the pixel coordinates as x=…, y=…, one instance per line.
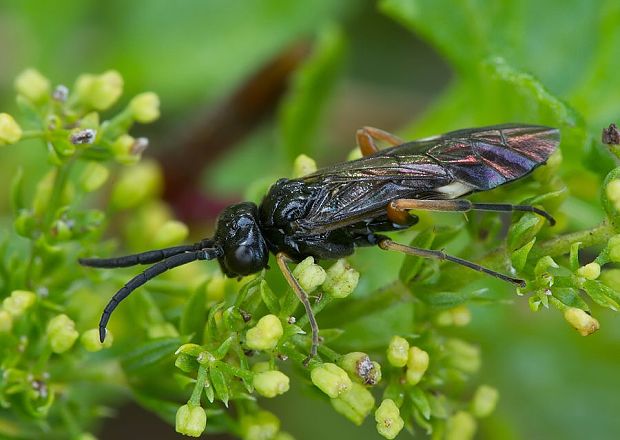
x=455, y=189
x=430, y=138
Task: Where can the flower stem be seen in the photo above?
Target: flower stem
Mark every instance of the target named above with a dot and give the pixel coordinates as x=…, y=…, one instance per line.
x=561, y=245
x=201, y=379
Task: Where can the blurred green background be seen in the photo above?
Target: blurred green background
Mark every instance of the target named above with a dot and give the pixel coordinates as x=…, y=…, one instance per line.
x=415, y=67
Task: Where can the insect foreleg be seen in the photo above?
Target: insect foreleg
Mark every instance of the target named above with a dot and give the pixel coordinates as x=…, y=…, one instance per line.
x=389, y=245
x=282, y=260
x=366, y=137
x=396, y=208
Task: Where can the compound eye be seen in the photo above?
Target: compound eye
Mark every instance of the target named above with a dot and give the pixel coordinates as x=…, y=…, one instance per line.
x=244, y=256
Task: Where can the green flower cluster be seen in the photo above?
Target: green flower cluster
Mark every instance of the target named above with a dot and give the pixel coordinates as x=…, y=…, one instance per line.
x=45, y=308
x=233, y=339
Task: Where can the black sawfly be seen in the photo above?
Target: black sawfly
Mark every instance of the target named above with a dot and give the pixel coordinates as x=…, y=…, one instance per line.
x=327, y=214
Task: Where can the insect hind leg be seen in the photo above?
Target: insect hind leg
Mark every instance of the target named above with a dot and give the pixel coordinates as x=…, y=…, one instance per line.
x=397, y=209
x=366, y=137
x=389, y=245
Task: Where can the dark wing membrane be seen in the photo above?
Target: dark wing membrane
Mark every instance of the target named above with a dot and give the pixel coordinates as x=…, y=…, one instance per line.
x=353, y=193
x=487, y=157
x=442, y=167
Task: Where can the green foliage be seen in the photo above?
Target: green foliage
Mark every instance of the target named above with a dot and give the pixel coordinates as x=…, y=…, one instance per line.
x=192, y=344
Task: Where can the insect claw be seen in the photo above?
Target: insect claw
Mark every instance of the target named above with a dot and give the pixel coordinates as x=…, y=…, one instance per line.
x=307, y=360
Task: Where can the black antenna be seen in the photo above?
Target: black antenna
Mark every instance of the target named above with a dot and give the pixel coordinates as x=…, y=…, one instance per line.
x=173, y=261
x=145, y=257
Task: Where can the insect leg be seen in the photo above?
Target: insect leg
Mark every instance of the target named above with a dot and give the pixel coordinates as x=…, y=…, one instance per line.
x=389, y=245
x=282, y=260
x=397, y=207
x=152, y=272
x=145, y=257
x=366, y=137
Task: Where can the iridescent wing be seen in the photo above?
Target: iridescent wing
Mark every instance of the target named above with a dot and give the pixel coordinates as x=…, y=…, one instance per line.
x=441, y=167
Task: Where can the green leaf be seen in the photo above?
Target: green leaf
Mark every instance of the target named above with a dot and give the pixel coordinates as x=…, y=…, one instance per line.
x=218, y=380
x=524, y=230
x=411, y=264
x=209, y=391
x=313, y=83
x=269, y=298
x=150, y=353
x=419, y=399
x=574, y=256
x=602, y=294
x=519, y=256
x=422, y=421
x=194, y=313
x=438, y=405
x=570, y=297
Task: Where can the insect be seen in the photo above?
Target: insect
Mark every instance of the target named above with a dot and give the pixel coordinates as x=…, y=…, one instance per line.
x=329, y=213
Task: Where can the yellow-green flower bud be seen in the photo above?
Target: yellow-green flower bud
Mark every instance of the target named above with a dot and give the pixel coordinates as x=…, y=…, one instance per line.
x=590, y=271
x=484, y=401
x=464, y=356
x=19, y=302
x=171, y=233
x=191, y=420
x=354, y=404
x=340, y=280
x=614, y=248
x=32, y=85
x=283, y=436
x=613, y=193
x=389, y=421
x=581, y=321
x=90, y=340
x=398, y=351
x=417, y=364
x=261, y=367
x=86, y=436
x=271, y=383
x=100, y=91
x=461, y=316
x=331, y=379
x=93, y=176
x=265, y=334
x=262, y=425
x=128, y=150
x=309, y=275
x=303, y=166
x=61, y=333
x=461, y=426
x=6, y=321
x=136, y=185
x=361, y=368
x=145, y=107
x=10, y=131
x=90, y=120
